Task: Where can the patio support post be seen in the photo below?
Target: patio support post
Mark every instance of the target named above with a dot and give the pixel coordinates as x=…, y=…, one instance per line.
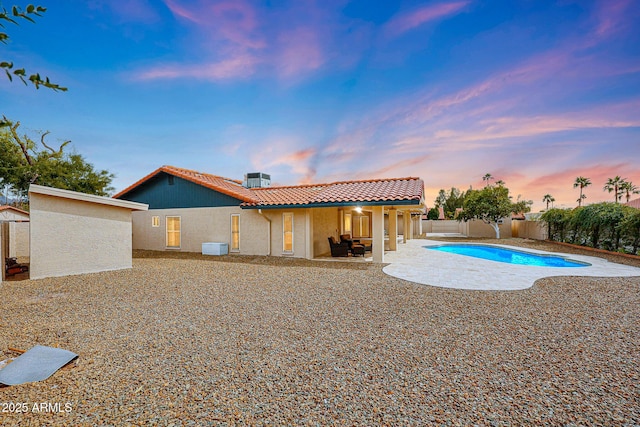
x=406, y=218
x=377, y=234
x=309, y=233
x=393, y=229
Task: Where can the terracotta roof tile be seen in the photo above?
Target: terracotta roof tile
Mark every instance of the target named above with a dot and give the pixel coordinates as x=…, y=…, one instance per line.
x=365, y=191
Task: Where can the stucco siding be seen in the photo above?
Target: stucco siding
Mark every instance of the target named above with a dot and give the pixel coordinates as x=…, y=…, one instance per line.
x=200, y=225
x=326, y=222
x=19, y=239
x=478, y=228
x=74, y=237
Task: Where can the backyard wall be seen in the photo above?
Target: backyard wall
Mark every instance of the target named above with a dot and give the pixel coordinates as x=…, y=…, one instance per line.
x=444, y=226
x=75, y=233
x=530, y=230
x=480, y=229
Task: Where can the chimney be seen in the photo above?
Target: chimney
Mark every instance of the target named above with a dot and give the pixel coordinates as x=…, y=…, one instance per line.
x=257, y=180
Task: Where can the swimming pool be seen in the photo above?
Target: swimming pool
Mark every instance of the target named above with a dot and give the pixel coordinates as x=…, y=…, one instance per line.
x=509, y=256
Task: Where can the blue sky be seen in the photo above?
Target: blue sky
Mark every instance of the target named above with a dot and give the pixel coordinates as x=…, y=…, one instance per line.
x=534, y=92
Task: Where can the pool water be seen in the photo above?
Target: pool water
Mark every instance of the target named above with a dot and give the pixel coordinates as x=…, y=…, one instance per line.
x=510, y=256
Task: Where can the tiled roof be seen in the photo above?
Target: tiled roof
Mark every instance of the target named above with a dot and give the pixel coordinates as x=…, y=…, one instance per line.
x=634, y=203
x=230, y=187
x=7, y=207
x=392, y=190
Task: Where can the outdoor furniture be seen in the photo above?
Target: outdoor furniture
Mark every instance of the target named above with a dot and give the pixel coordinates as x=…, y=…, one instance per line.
x=354, y=248
x=338, y=249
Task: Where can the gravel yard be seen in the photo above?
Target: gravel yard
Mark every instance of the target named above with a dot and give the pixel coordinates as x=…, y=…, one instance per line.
x=183, y=339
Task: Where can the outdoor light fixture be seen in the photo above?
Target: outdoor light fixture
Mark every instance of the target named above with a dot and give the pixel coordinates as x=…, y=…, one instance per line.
x=359, y=209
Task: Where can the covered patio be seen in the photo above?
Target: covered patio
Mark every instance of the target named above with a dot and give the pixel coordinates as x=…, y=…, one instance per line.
x=377, y=213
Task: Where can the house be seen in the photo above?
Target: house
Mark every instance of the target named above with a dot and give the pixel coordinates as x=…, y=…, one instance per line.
x=188, y=208
x=9, y=213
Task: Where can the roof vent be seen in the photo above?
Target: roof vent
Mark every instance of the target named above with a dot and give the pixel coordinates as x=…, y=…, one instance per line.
x=257, y=180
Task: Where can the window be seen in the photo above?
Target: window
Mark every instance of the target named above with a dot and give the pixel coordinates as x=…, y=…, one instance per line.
x=173, y=232
x=347, y=223
x=235, y=233
x=155, y=221
x=287, y=232
x=364, y=226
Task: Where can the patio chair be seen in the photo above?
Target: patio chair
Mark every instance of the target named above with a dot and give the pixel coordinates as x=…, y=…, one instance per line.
x=338, y=249
x=354, y=247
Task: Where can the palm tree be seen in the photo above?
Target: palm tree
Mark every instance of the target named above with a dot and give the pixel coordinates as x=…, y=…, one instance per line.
x=613, y=184
x=486, y=178
x=581, y=182
x=549, y=199
x=627, y=188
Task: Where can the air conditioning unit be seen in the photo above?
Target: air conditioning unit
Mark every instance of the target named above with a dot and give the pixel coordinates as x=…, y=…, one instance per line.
x=257, y=180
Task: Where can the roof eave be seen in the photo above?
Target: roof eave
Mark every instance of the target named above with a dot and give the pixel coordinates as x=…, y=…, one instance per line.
x=412, y=202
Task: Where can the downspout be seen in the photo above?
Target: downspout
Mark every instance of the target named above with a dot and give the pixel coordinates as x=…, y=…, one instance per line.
x=268, y=232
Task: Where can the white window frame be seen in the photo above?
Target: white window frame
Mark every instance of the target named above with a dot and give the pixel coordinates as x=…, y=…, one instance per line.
x=231, y=248
x=155, y=221
x=284, y=231
x=166, y=237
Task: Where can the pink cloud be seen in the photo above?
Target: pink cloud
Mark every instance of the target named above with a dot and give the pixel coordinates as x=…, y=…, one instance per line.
x=614, y=16
x=299, y=51
x=240, y=66
x=410, y=20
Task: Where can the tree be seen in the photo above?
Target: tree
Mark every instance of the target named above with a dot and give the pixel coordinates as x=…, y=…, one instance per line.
x=23, y=163
x=486, y=178
x=613, y=185
x=630, y=225
x=627, y=189
x=557, y=221
x=450, y=201
x=581, y=182
x=491, y=205
x=548, y=198
x=13, y=17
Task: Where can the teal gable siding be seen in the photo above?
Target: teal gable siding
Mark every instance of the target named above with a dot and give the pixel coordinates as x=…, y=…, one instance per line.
x=165, y=191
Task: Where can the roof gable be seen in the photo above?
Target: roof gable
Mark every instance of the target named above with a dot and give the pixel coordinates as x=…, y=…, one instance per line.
x=14, y=210
x=227, y=186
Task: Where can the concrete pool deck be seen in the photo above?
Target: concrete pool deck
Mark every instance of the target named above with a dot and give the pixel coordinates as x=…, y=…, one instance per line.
x=414, y=263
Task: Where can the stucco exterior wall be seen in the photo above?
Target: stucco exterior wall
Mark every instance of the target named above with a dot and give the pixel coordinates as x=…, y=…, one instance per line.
x=19, y=239
x=531, y=229
x=326, y=223
x=480, y=229
x=74, y=237
x=200, y=225
x=299, y=231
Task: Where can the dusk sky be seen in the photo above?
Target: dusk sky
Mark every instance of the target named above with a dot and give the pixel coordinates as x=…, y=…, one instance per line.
x=534, y=92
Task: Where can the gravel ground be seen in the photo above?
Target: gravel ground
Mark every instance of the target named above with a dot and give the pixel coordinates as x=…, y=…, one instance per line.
x=184, y=339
